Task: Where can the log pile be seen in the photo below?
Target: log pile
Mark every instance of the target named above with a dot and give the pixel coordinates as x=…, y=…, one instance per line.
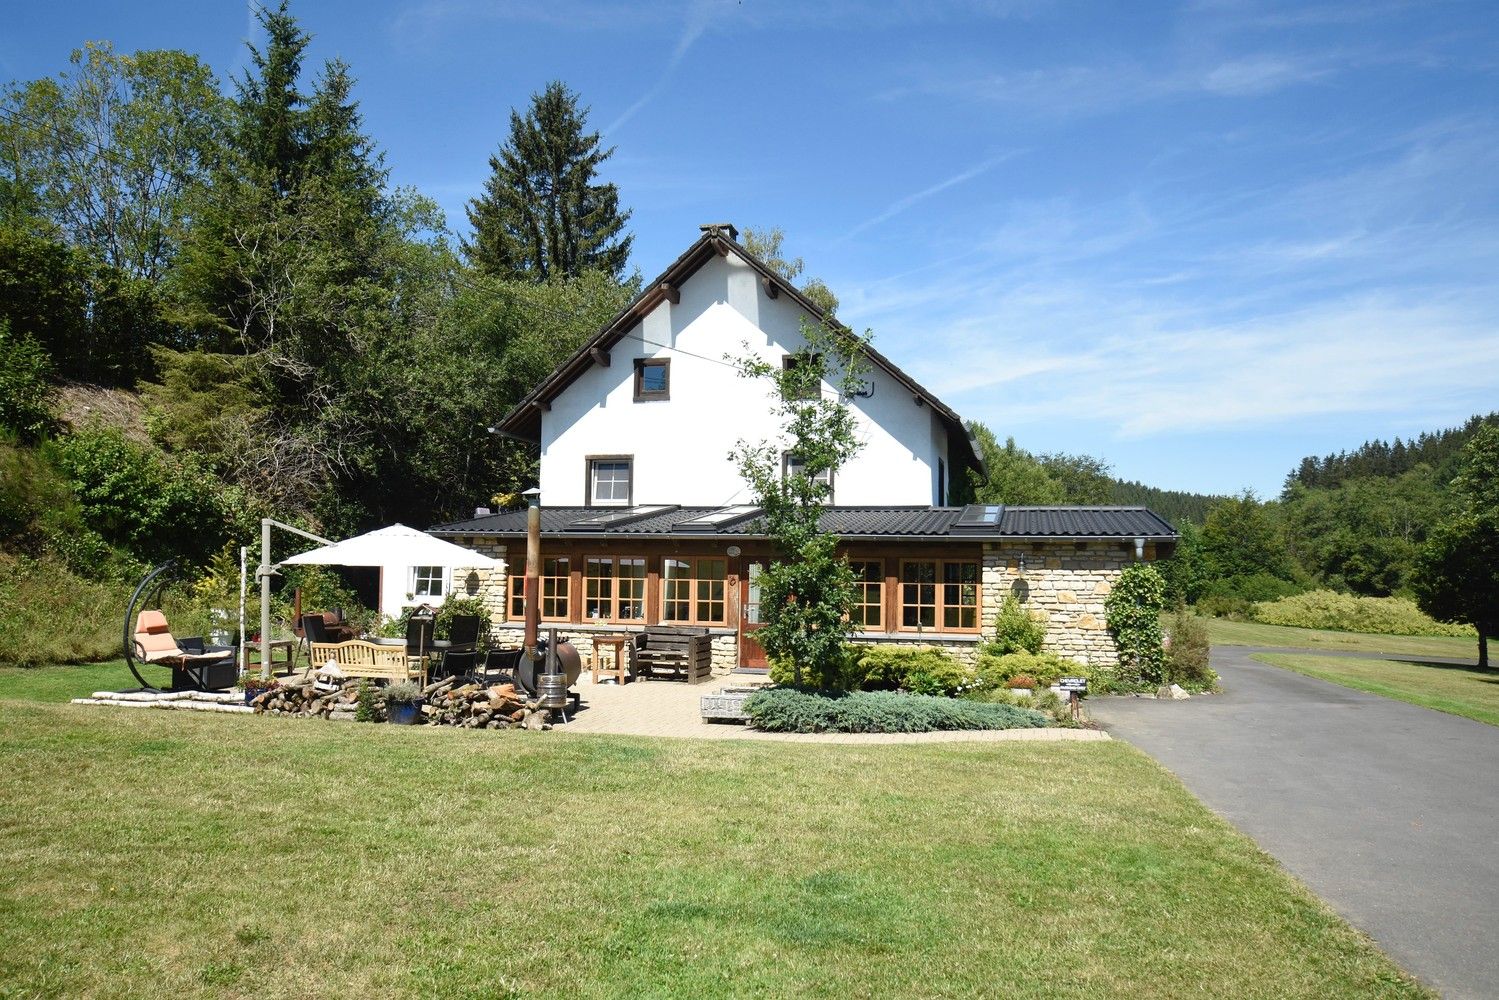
x=303, y=697
x=444, y=703
x=473, y=706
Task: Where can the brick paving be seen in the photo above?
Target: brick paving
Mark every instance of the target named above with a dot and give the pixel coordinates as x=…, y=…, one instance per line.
x=670, y=709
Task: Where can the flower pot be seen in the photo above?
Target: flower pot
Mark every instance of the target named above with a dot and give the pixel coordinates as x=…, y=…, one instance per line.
x=403, y=713
x=252, y=693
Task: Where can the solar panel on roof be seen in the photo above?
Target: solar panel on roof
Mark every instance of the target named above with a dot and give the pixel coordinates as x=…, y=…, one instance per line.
x=978, y=518
x=719, y=518
x=604, y=520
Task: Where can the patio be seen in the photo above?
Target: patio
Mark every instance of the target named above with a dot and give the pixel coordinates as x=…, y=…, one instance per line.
x=667, y=709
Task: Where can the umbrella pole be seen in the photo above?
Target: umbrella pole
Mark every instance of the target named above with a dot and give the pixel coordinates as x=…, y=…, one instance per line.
x=265, y=599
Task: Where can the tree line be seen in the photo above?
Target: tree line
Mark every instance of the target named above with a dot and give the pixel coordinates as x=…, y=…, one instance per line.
x=307, y=340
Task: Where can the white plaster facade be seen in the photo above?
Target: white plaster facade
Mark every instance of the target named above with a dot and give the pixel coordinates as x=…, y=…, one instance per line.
x=680, y=446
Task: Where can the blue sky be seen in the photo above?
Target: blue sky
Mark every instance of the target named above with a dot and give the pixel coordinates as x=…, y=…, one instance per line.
x=1199, y=240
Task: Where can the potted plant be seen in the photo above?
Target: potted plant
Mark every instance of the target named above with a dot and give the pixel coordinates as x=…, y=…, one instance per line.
x=403, y=703
x=255, y=685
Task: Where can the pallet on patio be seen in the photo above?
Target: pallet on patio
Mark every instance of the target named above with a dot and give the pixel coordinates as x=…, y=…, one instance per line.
x=680, y=652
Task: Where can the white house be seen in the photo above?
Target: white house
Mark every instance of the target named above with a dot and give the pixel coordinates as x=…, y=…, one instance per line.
x=646, y=520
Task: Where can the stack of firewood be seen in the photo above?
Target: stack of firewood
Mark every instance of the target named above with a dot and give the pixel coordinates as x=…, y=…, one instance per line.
x=305, y=697
x=474, y=706
x=444, y=703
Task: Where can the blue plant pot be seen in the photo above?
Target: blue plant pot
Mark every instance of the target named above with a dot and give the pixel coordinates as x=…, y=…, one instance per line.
x=404, y=714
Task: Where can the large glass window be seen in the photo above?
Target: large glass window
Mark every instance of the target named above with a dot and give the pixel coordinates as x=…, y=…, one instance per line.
x=609, y=482
x=939, y=594
x=791, y=465
x=614, y=588
x=694, y=590
x=869, y=589
x=556, y=591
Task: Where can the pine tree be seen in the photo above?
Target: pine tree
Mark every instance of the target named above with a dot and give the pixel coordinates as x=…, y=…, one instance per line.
x=542, y=216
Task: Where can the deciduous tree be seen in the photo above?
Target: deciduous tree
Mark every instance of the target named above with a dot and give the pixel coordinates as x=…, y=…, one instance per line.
x=1457, y=575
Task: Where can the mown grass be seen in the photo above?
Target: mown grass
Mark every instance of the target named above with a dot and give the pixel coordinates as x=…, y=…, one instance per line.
x=1222, y=632
x=1446, y=687
x=148, y=854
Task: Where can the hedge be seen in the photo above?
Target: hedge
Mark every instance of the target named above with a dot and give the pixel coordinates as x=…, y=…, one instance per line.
x=1328, y=609
x=784, y=710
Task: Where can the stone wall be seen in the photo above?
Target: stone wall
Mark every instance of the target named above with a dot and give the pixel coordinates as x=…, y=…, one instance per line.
x=1064, y=583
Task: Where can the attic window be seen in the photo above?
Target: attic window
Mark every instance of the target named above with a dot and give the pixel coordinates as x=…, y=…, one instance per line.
x=652, y=379
x=797, y=362
x=609, y=481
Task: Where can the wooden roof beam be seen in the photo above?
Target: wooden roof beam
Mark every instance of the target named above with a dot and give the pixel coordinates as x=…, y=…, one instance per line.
x=771, y=288
x=670, y=292
x=600, y=356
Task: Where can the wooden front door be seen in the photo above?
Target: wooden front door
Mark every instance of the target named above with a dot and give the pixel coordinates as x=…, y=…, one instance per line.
x=751, y=653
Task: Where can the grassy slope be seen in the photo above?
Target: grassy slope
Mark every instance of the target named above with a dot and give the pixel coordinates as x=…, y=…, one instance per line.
x=1463, y=691
x=1223, y=632
x=163, y=854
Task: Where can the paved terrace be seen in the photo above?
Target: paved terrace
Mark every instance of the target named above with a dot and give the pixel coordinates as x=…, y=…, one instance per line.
x=671, y=709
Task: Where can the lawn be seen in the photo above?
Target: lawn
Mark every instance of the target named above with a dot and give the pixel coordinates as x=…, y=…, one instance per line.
x=149, y=853
x=1445, y=687
x=1223, y=632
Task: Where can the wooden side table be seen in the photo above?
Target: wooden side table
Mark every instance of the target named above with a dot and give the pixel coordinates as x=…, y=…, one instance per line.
x=616, y=642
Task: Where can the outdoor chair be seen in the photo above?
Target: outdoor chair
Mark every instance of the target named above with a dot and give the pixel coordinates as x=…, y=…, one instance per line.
x=193, y=664
x=464, y=631
x=419, y=644
x=499, y=666
x=315, y=629
x=459, y=663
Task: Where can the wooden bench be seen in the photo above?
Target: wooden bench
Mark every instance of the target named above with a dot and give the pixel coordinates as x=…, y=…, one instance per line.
x=683, y=653
x=357, y=658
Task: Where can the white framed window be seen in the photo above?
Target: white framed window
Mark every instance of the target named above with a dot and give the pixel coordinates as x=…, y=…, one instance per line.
x=428, y=581
x=793, y=466
x=609, y=481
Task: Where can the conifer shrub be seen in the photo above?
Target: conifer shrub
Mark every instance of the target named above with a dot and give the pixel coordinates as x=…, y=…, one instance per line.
x=786, y=710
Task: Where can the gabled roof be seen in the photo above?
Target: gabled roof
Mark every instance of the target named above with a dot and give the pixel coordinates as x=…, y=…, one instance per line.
x=524, y=419
x=945, y=523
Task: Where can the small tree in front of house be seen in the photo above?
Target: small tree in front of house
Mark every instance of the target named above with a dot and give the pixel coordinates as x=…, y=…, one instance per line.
x=807, y=590
x=1134, y=609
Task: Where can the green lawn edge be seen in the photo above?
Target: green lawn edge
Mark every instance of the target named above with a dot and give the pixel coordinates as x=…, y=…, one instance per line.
x=1223, y=632
x=1402, y=681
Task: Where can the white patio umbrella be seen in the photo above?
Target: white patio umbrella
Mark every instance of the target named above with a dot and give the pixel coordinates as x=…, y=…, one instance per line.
x=395, y=545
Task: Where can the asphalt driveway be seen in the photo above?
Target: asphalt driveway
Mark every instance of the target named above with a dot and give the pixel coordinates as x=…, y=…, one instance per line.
x=1388, y=811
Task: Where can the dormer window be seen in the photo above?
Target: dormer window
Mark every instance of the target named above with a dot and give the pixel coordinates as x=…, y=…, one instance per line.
x=652, y=379
x=609, y=480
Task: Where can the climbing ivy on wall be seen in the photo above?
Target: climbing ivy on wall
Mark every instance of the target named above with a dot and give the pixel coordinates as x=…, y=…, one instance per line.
x=1134, y=609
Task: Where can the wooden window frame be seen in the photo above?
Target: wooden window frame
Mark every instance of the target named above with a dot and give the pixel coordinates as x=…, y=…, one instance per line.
x=590, y=462
x=694, y=581
x=862, y=586
x=614, y=578
x=939, y=604
x=564, y=592
x=644, y=395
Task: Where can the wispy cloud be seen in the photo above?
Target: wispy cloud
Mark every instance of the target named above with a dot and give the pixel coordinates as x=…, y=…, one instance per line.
x=699, y=17
x=901, y=204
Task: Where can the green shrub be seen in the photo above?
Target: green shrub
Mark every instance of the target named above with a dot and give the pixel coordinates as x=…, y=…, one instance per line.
x=1328, y=609
x=25, y=389
x=784, y=710
x=1188, y=652
x=922, y=669
x=50, y=615
x=1134, y=609
x=1221, y=606
x=1252, y=587
x=1017, y=630
x=1042, y=668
